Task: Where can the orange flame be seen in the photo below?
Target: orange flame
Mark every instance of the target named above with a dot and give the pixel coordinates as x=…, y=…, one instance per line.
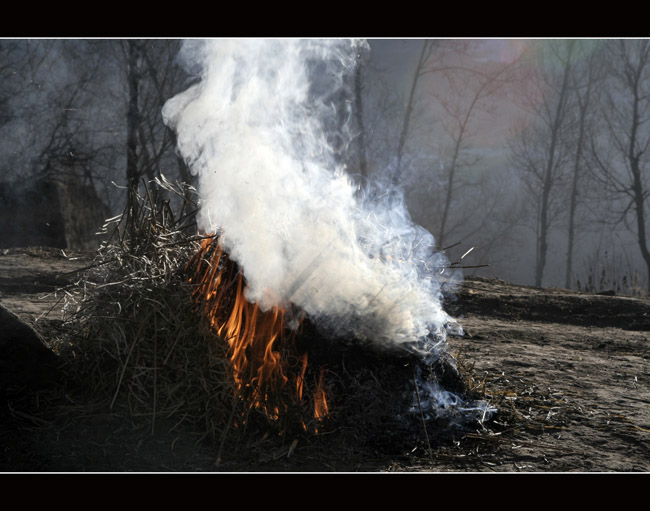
x=320, y=401
x=259, y=345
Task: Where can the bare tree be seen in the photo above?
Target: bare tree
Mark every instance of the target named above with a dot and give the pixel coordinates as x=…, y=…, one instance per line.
x=584, y=81
x=164, y=79
x=48, y=91
x=132, y=53
x=152, y=77
x=89, y=105
x=420, y=70
x=540, y=152
x=463, y=90
x=450, y=88
x=620, y=154
x=145, y=74
x=11, y=64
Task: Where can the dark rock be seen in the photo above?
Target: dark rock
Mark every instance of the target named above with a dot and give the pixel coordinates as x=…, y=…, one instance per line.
x=25, y=360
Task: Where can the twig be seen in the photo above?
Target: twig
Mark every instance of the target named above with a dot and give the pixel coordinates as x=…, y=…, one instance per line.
x=119, y=383
x=225, y=432
x=424, y=425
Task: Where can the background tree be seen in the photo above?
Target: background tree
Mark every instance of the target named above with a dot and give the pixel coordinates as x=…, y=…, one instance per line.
x=47, y=96
x=93, y=106
x=420, y=70
x=153, y=76
x=463, y=91
x=621, y=160
x=541, y=153
x=585, y=78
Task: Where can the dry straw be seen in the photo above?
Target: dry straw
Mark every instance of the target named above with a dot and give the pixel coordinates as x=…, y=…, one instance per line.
x=138, y=346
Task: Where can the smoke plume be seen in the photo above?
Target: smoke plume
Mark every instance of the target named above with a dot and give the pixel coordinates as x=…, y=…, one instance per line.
x=263, y=130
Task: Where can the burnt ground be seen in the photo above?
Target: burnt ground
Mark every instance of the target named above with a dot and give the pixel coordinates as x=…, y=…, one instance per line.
x=568, y=373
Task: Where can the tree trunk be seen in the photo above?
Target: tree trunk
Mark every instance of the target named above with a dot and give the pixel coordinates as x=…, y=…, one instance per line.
x=462, y=131
x=571, y=233
x=640, y=218
x=132, y=117
x=547, y=184
x=132, y=120
x=542, y=240
x=448, y=195
x=573, y=201
x=426, y=47
x=639, y=203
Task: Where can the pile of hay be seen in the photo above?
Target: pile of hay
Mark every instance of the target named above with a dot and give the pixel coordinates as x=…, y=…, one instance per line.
x=136, y=345
x=140, y=347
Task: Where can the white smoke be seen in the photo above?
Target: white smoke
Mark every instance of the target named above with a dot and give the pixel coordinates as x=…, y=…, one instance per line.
x=259, y=131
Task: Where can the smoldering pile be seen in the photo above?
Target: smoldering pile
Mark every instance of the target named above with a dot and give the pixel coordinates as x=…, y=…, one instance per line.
x=139, y=347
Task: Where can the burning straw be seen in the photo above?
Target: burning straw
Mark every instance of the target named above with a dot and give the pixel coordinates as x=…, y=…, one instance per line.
x=268, y=368
x=145, y=342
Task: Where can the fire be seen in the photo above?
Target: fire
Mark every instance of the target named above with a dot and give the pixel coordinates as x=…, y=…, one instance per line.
x=268, y=371
x=320, y=402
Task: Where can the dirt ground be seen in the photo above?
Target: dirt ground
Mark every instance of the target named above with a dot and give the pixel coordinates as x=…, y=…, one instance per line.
x=568, y=373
